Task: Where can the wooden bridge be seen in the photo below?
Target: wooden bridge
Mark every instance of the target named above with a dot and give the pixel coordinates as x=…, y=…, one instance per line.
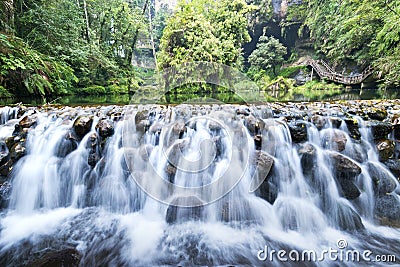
x=325, y=72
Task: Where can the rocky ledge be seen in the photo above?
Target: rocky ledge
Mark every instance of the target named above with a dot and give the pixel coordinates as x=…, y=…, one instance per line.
x=347, y=122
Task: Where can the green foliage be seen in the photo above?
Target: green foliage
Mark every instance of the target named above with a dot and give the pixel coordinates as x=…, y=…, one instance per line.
x=268, y=54
x=365, y=32
x=4, y=93
x=205, y=30
x=92, y=90
x=291, y=71
x=24, y=71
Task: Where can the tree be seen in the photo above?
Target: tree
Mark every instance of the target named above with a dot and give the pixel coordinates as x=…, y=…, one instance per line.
x=205, y=30
x=268, y=54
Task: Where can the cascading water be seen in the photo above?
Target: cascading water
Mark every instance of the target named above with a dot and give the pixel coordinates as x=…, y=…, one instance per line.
x=86, y=187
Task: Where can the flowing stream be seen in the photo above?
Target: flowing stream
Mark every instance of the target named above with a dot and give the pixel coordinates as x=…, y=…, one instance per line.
x=116, y=198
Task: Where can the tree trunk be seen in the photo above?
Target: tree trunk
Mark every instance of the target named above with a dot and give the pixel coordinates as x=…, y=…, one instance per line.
x=130, y=58
x=152, y=38
x=87, y=21
x=8, y=11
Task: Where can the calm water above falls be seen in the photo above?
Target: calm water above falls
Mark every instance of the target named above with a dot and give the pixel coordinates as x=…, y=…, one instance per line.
x=79, y=187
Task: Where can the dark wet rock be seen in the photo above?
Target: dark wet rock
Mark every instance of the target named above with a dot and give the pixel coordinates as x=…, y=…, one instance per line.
x=258, y=141
x=83, y=125
x=264, y=163
x=5, y=193
x=387, y=209
x=377, y=114
x=17, y=151
x=105, y=128
x=336, y=122
x=145, y=151
x=349, y=189
x=141, y=115
x=183, y=209
x=253, y=125
x=352, y=126
x=10, y=142
x=6, y=168
x=301, y=78
x=380, y=130
x=268, y=191
x=347, y=219
x=307, y=155
x=68, y=257
x=396, y=131
x=236, y=210
x=334, y=140
x=318, y=121
x=4, y=153
x=67, y=145
x=298, y=131
x=344, y=167
x=394, y=166
x=94, y=154
x=385, y=149
x=382, y=179
x=28, y=121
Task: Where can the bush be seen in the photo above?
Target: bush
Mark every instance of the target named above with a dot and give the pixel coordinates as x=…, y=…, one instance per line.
x=4, y=93
x=92, y=90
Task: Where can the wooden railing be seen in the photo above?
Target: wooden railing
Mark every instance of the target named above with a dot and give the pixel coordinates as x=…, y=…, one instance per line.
x=324, y=71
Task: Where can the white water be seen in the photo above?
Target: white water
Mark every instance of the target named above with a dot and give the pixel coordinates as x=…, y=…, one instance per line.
x=104, y=214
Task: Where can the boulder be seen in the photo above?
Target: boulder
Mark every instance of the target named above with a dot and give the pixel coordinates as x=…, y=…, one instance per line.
x=264, y=163
x=307, y=155
x=28, y=121
x=352, y=126
x=67, y=257
x=347, y=219
x=183, y=209
x=298, y=131
x=5, y=193
x=344, y=167
x=396, y=131
x=383, y=182
x=349, y=189
x=83, y=125
x=4, y=153
x=385, y=149
x=387, y=209
x=394, y=166
x=334, y=140
x=318, y=121
x=105, y=128
x=377, y=114
x=380, y=130
x=336, y=122
x=17, y=151
x=94, y=153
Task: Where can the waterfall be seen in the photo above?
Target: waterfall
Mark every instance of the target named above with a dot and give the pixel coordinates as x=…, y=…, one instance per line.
x=167, y=186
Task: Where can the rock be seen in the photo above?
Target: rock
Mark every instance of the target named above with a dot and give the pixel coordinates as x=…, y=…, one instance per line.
x=68, y=144
x=344, y=166
x=6, y=168
x=318, y=121
x=352, y=126
x=394, y=166
x=83, y=125
x=258, y=141
x=336, y=122
x=349, y=189
x=307, y=155
x=17, y=151
x=298, y=131
x=383, y=182
x=396, y=131
x=387, y=208
x=334, y=140
x=253, y=125
x=380, y=130
x=105, y=128
x=264, y=163
x=28, y=121
x=300, y=78
x=237, y=210
x=385, y=149
x=268, y=191
x=94, y=154
x=377, y=114
x=68, y=257
x=347, y=219
x=5, y=193
x=10, y=142
x=4, y=153
x=183, y=209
